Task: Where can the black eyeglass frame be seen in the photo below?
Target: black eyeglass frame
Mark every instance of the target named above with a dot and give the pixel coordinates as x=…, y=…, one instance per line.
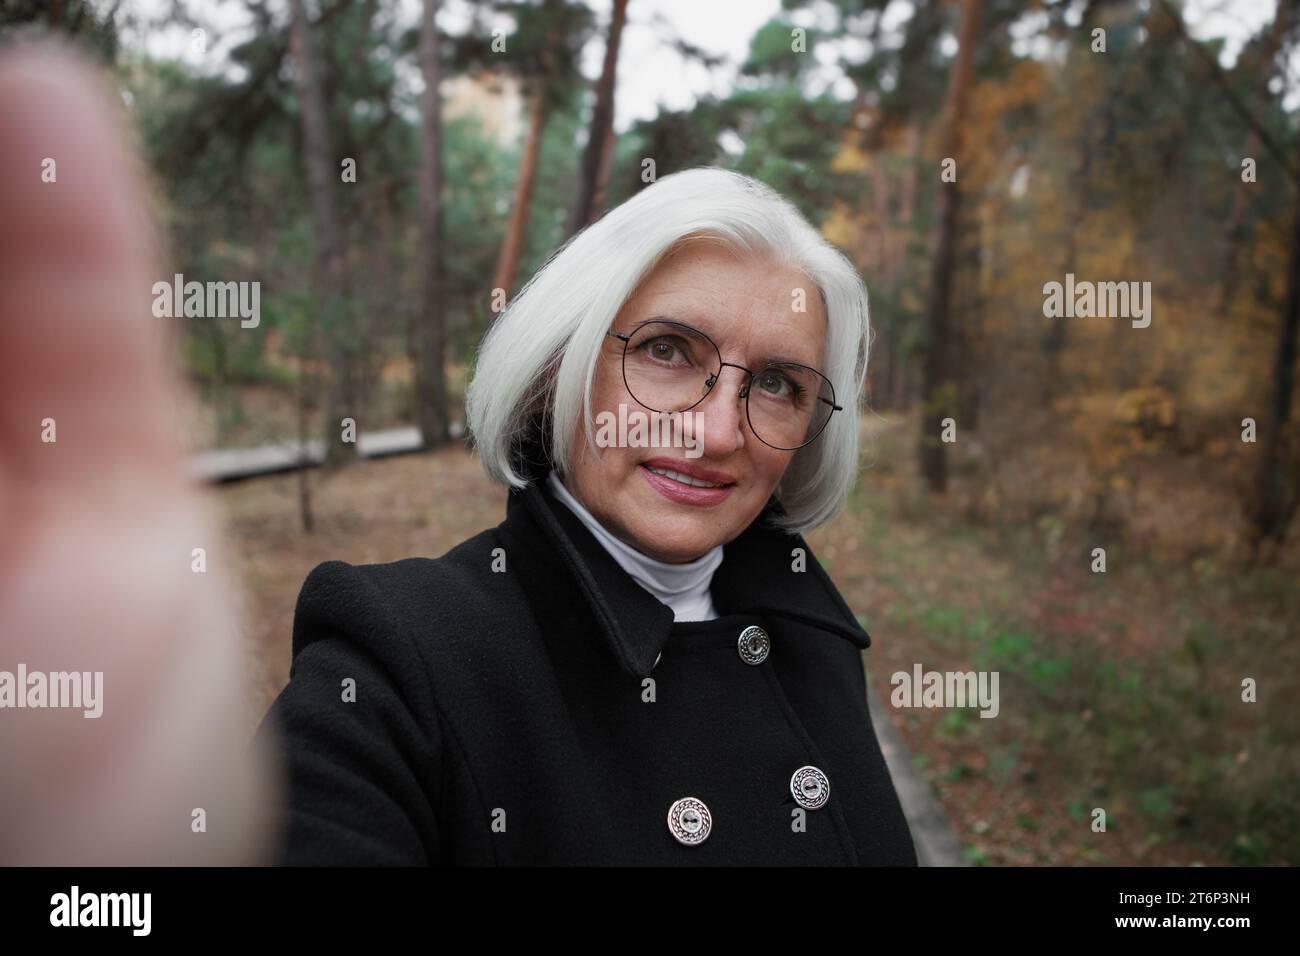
x=626, y=337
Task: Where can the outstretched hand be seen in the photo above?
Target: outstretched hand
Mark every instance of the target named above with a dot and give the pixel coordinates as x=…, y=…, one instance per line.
x=99, y=520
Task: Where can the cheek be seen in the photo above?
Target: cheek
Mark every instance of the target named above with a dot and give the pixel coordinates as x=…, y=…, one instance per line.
x=771, y=464
x=607, y=390
x=600, y=464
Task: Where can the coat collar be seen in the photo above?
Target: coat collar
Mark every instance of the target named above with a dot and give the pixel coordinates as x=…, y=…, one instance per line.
x=755, y=577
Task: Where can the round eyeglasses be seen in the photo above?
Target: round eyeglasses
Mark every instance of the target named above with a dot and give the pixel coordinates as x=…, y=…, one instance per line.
x=670, y=367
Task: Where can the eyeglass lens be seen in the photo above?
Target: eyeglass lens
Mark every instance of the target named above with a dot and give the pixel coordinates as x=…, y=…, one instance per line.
x=671, y=368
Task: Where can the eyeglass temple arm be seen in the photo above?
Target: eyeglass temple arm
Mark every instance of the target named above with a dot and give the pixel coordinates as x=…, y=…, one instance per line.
x=620, y=336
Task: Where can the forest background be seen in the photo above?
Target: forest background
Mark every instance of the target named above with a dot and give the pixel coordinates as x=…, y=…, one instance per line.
x=1101, y=510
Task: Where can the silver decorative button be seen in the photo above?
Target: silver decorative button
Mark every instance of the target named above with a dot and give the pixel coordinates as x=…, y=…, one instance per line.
x=690, y=821
x=753, y=645
x=810, y=788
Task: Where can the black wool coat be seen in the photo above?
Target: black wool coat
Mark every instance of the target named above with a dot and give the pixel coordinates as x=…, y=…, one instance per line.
x=522, y=700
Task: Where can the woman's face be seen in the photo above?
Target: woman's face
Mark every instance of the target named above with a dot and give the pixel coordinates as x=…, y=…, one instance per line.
x=747, y=306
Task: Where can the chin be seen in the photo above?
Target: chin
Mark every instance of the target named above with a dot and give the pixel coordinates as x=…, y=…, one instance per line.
x=677, y=539
x=681, y=554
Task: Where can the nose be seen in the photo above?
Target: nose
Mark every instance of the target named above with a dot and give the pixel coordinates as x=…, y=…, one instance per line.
x=723, y=413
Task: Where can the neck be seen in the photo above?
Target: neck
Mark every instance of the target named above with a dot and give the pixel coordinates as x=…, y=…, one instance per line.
x=683, y=587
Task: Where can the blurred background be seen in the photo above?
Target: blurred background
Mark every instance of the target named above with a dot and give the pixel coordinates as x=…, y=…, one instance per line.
x=300, y=144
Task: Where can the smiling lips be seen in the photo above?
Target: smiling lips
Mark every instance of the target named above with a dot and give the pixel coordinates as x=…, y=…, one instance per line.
x=687, y=484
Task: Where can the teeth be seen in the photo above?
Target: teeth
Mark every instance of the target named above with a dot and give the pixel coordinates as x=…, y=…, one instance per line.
x=684, y=479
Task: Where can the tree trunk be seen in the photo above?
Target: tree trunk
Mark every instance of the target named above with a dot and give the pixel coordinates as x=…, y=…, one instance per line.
x=517, y=227
x=595, y=159
x=321, y=170
x=304, y=460
x=970, y=328
x=902, y=393
x=431, y=328
x=1275, y=491
x=1232, y=234
x=881, y=263
x=602, y=178
x=939, y=386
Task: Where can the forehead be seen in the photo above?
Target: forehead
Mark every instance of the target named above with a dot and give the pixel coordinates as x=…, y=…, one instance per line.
x=751, y=306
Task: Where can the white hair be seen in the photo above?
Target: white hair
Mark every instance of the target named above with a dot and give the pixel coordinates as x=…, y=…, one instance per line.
x=536, y=365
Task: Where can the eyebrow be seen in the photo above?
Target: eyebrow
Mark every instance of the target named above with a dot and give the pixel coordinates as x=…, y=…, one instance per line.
x=770, y=359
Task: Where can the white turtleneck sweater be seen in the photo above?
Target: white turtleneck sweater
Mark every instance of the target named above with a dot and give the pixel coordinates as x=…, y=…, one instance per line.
x=683, y=587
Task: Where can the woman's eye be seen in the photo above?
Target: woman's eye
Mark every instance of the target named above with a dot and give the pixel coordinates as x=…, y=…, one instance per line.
x=665, y=350
x=776, y=385
x=773, y=384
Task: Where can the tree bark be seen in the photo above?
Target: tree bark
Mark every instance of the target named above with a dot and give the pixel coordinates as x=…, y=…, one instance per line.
x=431, y=327
x=902, y=393
x=595, y=158
x=318, y=156
x=1275, y=491
x=602, y=178
x=517, y=228
x=939, y=386
x=881, y=382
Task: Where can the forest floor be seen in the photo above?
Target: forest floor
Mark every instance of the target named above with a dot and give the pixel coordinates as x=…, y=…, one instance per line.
x=1120, y=692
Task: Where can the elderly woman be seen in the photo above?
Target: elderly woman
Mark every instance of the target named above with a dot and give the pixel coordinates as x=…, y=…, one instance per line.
x=644, y=663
